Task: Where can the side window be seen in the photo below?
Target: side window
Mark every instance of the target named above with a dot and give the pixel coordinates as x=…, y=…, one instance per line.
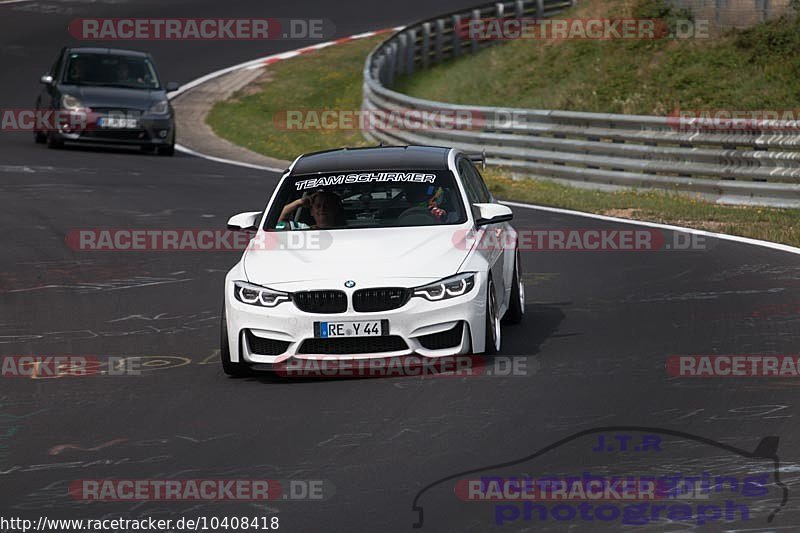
x=478, y=183
x=469, y=182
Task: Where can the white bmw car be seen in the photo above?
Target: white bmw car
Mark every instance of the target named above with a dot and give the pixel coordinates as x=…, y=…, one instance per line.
x=372, y=253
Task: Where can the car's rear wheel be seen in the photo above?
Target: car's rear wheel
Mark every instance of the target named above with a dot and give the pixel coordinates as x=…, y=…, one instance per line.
x=493, y=334
x=229, y=367
x=516, y=305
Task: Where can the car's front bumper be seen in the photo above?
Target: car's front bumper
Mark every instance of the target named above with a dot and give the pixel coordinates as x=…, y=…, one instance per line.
x=413, y=323
x=150, y=131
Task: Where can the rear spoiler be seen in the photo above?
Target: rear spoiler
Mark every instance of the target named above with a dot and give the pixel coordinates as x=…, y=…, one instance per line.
x=478, y=158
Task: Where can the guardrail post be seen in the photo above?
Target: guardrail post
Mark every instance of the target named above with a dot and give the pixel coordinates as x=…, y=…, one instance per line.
x=400, y=61
x=539, y=9
x=437, y=41
x=457, y=35
x=473, y=43
x=519, y=9
x=412, y=44
x=500, y=9
x=391, y=58
x=426, y=44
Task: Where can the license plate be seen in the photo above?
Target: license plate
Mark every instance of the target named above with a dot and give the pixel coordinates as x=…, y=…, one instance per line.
x=363, y=328
x=118, y=123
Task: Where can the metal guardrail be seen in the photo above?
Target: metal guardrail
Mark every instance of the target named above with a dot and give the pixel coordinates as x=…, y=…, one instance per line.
x=756, y=167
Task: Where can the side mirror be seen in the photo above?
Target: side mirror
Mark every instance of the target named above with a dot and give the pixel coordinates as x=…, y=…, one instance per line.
x=47, y=79
x=173, y=86
x=245, y=221
x=492, y=214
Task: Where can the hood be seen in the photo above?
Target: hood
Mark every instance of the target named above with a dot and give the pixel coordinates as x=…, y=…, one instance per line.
x=115, y=97
x=406, y=257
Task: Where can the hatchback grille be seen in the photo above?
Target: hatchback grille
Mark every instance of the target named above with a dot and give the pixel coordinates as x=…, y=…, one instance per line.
x=353, y=345
x=320, y=301
x=262, y=346
x=444, y=339
x=380, y=299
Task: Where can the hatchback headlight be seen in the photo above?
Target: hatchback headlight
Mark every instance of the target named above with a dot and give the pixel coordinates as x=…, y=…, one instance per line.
x=70, y=102
x=248, y=293
x=161, y=108
x=451, y=287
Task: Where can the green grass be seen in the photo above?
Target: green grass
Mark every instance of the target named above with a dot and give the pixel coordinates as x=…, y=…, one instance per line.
x=327, y=79
x=776, y=225
x=331, y=79
x=754, y=69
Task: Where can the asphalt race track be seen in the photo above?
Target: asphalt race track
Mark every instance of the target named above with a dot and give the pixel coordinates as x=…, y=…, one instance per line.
x=598, y=331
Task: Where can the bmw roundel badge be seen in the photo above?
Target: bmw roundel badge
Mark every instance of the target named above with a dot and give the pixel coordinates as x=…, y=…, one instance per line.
x=349, y=283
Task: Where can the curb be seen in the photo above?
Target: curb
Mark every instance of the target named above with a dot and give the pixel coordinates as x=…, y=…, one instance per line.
x=271, y=164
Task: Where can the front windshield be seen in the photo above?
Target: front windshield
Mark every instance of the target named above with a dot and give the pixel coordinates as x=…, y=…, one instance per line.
x=106, y=70
x=366, y=199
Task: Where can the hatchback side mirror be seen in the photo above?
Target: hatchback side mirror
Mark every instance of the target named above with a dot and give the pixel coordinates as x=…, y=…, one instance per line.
x=47, y=79
x=173, y=86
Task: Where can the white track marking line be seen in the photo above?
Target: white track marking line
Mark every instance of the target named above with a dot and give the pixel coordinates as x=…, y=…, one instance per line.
x=723, y=236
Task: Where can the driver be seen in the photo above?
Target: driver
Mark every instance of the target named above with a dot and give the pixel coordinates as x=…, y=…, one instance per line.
x=426, y=197
x=125, y=75
x=77, y=70
x=325, y=207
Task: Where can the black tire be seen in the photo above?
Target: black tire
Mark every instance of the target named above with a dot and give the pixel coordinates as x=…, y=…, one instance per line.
x=493, y=338
x=54, y=142
x=39, y=137
x=229, y=367
x=516, y=307
x=167, y=150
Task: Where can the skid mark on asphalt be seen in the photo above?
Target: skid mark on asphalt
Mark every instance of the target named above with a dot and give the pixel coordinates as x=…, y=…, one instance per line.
x=704, y=295
x=112, y=285
x=344, y=440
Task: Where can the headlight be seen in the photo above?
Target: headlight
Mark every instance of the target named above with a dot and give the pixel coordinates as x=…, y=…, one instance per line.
x=256, y=295
x=451, y=287
x=161, y=108
x=70, y=102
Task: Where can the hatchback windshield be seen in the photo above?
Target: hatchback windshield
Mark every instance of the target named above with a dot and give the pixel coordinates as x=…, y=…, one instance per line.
x=107, y=70
x=366, y=199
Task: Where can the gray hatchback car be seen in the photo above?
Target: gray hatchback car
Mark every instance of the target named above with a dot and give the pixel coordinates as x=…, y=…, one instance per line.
x=106, y=96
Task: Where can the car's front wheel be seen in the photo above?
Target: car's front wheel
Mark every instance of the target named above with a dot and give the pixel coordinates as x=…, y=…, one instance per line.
x=229, y=367
x=516, y=305
x=54, y=142
x=168, y=150
x=39, y=137
x=493, y=334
